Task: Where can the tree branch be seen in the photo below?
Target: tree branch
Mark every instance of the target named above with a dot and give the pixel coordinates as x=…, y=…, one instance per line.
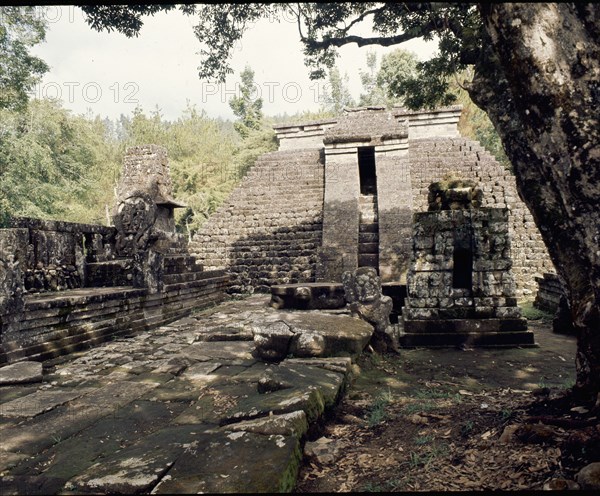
x=361, y=18
x=377, y=40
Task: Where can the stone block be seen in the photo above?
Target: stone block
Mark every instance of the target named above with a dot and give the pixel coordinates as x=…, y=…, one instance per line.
x=508, y=312
x=21, y=373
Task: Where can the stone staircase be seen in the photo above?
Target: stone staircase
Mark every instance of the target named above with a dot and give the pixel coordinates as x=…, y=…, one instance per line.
x=183, y=271
x=368, y=232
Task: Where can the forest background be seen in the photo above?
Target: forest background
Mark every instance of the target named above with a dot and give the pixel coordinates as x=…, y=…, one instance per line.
x=58, y=165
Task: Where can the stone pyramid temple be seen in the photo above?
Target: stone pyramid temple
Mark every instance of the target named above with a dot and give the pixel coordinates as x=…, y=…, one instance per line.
x=342, y=193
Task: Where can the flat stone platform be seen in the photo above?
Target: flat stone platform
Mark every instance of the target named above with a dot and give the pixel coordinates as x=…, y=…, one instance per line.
x=184, y=408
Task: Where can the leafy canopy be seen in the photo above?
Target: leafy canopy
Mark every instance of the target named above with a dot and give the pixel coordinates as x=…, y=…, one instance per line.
x=20, y=29
x=246, y=105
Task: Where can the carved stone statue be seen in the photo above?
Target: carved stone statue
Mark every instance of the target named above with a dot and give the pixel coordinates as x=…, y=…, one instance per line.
x=134, y=219
x=144, y=215
x=363, y=294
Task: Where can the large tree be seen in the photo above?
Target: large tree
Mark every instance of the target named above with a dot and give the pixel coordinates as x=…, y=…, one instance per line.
x=536, y=75
x=21, y=28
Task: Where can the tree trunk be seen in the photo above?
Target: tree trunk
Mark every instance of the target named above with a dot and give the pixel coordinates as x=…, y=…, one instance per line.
x=539, y=81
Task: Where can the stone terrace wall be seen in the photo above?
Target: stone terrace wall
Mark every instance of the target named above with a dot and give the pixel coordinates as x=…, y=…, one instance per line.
x=54, y=254
x=549, y=293
x=56, y=323
x=47, y=308
x=432, y=158
x=269, y=229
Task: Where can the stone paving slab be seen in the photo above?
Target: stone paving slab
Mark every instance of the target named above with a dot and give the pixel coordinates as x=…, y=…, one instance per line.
x=187, y=407
x=261, y=464
x=39, y=402
x=21, y=373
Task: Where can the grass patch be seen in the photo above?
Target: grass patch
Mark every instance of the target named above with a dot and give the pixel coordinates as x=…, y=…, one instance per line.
x=424, y=459
x=432, y=394
x=466, y=428
x=384, y=487
x=422, y=440
x=377, y=410
x=417, y=407
x=532, y=313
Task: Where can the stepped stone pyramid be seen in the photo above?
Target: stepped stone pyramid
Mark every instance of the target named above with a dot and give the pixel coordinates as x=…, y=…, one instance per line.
x=341, y=193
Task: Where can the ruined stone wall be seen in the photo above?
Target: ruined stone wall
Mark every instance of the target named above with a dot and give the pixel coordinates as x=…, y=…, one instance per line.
x=431, y=294
x=52, y=324
x=269, y=229
x=54, y=254
x=549, y=292
x=432, y=158
x=303, y=136
x=441, y=122
x=142, y=166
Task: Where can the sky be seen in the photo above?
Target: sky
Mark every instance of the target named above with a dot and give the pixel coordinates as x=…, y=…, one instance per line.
x=109, y=74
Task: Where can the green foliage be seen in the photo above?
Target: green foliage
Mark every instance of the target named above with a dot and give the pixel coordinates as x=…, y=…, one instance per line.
x=247, y=108
x=57, y=166
x=336, y=94
x=424, y=459
x=474, y=122
x=201, y=158
x=21, y=28
x=54, y=165
x=301, y=117
x=373, y=94
x=532, y=313
x=377, y=410
x=466, y=428
x=257, y=137
x=383, y=86
x=423, y=440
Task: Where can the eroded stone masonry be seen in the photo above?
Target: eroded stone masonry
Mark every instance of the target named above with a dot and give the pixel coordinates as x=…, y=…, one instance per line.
x=341, y=194
x=67, y=286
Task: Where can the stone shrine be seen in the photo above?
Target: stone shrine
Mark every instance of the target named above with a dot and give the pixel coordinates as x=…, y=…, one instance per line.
x=461, y=289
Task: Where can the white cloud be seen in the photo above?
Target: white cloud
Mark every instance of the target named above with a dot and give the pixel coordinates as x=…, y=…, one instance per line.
x=111, y=74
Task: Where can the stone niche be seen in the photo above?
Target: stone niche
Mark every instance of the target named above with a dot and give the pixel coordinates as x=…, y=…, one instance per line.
x=461, y=290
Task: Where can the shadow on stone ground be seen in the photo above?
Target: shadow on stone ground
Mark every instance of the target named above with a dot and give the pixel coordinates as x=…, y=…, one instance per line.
x=457, y=420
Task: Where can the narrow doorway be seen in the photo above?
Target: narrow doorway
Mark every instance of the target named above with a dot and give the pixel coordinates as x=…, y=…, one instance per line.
x=462, y=272
x=368, y=235
x=366, y=170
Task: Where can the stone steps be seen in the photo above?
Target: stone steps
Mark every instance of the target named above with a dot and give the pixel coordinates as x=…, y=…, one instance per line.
x=368, y=260
x=368, y=237
x=60, y=322
x=174, y=264
x=489, y=339
x=368, y=232
x=366, y=248
x=372, y=227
